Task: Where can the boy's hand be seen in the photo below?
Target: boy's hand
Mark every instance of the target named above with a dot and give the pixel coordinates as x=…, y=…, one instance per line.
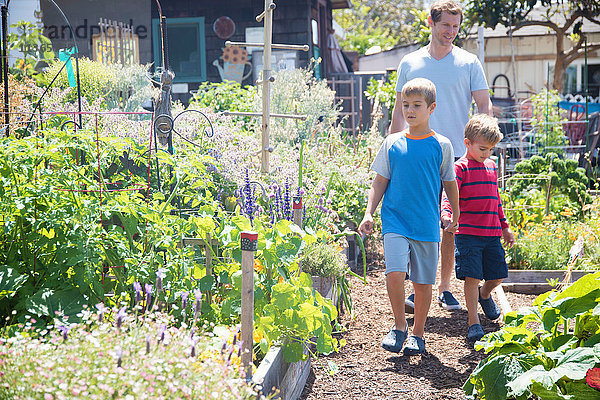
x=446, y=221
x=366, y=225
x=508, y=237
x=452, y=226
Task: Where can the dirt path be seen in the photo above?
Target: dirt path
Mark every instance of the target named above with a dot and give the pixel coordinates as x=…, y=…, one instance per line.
x=366, y=371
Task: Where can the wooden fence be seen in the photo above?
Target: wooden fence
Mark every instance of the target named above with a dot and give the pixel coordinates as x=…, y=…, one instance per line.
x=115, y=44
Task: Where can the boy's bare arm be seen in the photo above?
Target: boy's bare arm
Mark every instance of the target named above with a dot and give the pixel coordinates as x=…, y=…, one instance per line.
x=398, y=121
x=451, y=189
x=375, y=194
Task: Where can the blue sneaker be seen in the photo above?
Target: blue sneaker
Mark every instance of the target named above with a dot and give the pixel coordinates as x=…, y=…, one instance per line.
x=394, y=340
x=490, y=309
x=448, y=301
x=475, y=333
x=414, y=345
x=409, y=304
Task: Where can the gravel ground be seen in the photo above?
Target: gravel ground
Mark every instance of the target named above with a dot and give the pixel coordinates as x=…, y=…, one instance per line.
x=366, y=371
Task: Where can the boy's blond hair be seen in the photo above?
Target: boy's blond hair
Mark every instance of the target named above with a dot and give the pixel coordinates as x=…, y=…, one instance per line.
x=449, y=6
x=485, y=127
x=421, y=87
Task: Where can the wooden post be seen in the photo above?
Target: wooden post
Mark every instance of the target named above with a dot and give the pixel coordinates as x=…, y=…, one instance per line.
x=248, y=244
x=266, y=94
x=208, y=254
x=297, y=210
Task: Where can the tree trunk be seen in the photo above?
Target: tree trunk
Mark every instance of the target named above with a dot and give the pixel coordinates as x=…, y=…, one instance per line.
x=559, y=63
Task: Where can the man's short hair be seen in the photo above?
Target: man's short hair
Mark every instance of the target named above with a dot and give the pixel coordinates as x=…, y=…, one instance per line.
x=422, y=87
x=450, y=6
x=483, y=126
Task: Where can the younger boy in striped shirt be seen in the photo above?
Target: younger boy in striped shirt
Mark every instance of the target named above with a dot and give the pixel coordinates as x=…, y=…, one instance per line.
x=479, y=253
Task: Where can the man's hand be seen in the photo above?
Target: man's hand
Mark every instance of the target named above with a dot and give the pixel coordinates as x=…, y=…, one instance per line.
x=445, y=221
x=366, y=225
x=508, y=237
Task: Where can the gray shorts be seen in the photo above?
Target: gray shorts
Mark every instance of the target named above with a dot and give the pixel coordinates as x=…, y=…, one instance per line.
x=423, y=257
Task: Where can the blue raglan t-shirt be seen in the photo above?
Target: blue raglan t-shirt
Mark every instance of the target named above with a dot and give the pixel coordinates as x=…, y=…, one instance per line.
x=415, y=167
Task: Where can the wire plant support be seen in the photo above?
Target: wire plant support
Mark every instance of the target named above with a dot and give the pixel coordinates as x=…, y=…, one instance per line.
x=266, y=80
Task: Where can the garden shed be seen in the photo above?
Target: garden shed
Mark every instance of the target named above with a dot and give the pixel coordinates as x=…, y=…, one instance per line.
x=197, y=31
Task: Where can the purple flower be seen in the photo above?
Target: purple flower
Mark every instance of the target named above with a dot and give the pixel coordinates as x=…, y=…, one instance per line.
x=120, y=316
x=193, y=352
x=148, y=344
x=101, y=310
x=162, y=333
x=160, y=275
x=198, y=304
x=148, y=289
x=138, y=292
x=184, y=297
x=119, y=357
x=65, y=331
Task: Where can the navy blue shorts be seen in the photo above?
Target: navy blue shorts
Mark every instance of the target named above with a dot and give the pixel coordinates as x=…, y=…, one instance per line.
x=479, y=257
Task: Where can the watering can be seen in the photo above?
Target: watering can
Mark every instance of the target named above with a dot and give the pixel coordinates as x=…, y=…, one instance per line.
x=235, y=60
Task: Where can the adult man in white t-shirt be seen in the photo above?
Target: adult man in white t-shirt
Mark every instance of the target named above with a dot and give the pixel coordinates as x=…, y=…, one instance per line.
x=459, y=78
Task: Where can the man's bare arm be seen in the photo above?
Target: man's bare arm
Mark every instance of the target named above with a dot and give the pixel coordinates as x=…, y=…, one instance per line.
x=482, y=99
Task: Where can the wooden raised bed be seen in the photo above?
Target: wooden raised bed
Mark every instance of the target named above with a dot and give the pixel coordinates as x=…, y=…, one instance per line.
x=536, y=281
x=282, y=379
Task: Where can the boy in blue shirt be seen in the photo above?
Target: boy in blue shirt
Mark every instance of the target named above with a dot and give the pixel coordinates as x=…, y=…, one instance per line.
x=411, y=167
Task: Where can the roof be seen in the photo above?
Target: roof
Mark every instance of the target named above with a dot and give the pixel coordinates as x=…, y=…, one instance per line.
x=537, y=30
x=337, y=4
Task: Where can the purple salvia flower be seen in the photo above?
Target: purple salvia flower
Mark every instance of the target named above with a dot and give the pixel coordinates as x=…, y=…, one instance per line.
x=194, y=343
x=148, y=290
x=198, y=303
x=147, y=344
x=160, y=275
x=101, y=310
x=286, y=201
x=184, y=297
x=192, y=332
x=162, y=333
x=224, y=347
x=64, y=330
x=119, y=358
x=240, y=349
x=138, y=292
x=120, y=316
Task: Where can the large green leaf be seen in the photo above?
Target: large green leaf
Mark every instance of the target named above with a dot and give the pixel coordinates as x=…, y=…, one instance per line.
x=490, y=378
x=284, y=296
x=581, y=287
x=293, y=352
x=48, y=302
x=571, y=307
x=10, y=281
x=552, y=393
x=582, y=391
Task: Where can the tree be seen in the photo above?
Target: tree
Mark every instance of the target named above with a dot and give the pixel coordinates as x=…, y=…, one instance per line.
x=564, y=17
x=376, y=23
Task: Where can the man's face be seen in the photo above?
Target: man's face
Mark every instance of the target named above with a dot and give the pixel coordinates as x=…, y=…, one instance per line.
x=445, y=30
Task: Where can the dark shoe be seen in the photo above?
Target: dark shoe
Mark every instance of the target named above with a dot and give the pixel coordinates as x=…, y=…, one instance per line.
x=475, y=333
x=448, y=301
x=409, y=304
x=394, y=340
x=414, y=345
x=490, y=309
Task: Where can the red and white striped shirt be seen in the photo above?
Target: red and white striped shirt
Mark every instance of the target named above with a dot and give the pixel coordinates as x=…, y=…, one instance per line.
x=481, y=211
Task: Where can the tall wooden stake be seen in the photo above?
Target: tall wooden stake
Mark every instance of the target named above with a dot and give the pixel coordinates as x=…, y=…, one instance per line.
x=248, y=244
x=266, y=94
x=297, y=212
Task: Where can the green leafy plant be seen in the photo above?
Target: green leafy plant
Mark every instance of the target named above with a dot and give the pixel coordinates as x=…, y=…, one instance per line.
x=547, y=122
x=553, y=174
x=543, y=351
x=383, y=92
x=35, y=47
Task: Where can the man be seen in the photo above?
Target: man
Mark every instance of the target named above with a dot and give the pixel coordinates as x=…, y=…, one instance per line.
x=459, y=78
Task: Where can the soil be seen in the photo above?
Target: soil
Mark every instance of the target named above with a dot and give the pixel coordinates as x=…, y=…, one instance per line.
x=367, y=371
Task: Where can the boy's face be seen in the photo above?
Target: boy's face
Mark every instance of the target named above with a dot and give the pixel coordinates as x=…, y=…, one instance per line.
x=479, y=149
x=415, y=110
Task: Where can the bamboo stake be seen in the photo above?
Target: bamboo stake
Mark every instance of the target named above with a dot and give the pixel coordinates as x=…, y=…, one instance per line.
x=297, y=216
x=208, y=253
x=248, y=244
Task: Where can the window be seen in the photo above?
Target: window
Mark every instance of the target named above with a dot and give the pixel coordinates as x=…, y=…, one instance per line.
x=186, y=48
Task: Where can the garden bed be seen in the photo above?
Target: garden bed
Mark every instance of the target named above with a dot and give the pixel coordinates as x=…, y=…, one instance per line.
x=536, y=281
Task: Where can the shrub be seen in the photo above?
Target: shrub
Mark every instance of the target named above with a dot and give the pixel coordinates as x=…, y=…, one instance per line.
x=322, y=259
